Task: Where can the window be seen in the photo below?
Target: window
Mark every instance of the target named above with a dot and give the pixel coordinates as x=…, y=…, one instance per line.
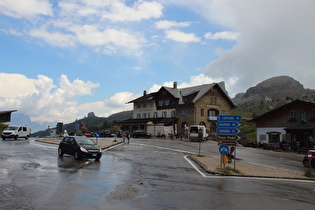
x=163, y=114
x=138, y=116
x=138, y=106
x=166, y=102
x=202, y=112
x=184, y=112
x=151, y=104
x=144, y=115
x=160, y=102
x=173, y=113
x=144, y=105
x=262, y=137
x=149, y=116
x=293, y=114
x=213, y=100
x=155, y=114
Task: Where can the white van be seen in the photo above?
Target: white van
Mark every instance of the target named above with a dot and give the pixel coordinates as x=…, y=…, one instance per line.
x=193, y=132
x=16, y=131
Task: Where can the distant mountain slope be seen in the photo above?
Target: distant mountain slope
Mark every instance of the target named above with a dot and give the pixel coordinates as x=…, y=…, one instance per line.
x=275, y=89
x=94, y=123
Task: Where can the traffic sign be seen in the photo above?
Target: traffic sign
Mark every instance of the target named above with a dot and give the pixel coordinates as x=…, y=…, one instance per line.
x=309, y=155
x=222, y=124
x=229, y=118
x=228, y=137
x=224, y=149
x=228, y=142
x=227, y=131
x=97, y=134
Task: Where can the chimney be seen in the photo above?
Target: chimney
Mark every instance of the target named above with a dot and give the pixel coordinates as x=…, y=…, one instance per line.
x=175, y=85
x=144, y=93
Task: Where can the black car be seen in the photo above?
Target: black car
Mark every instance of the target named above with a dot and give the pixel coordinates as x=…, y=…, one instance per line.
x=80, y=147
x=306, y=162
x=140, y=134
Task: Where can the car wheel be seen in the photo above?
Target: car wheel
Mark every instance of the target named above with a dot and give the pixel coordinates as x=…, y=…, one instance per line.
x=26, y=137
x=15, y=137
x=77, y=155
x=60, y=152
x=97, y=159
x=306, y=163
x=3, y=138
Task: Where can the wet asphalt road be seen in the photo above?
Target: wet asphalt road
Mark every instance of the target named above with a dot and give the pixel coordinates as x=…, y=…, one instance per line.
x=145, y=174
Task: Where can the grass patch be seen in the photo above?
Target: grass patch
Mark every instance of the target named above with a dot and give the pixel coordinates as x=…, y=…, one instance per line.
x=308, y=173
x=229, y=171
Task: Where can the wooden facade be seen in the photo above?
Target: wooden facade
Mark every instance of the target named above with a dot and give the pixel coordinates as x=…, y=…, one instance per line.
x=292, y=124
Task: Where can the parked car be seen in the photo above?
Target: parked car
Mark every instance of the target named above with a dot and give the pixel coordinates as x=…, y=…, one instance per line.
x=306, y=162
x=140, y=134
x=80, y=147
x=106, y=133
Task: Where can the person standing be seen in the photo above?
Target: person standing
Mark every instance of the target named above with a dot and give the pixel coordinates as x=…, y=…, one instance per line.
x=128, y=136
x=124, y=136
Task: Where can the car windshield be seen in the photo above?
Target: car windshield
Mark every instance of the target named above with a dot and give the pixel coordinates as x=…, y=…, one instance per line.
x=12, y=128
x=82, y=140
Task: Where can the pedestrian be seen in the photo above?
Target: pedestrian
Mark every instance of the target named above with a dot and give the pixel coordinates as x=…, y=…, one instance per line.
x=128, y=136
x=124, y=136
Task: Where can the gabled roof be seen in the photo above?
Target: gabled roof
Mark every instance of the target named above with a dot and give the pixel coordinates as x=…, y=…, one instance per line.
x=285, y=106
x=180, y=93
x=200, y=90
x=146, y=97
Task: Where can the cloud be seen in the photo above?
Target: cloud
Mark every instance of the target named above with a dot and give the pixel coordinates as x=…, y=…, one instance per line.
x=166, y=24
x=229, y=35
x=41, y=99
x=25, y=9
x=270, y=44
x=93, y=24
x=140, y=10
x=179, y=36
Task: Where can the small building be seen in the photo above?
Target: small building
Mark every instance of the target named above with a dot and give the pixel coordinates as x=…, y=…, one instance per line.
x=5, y=116
x=292, y=124
x=172, y=110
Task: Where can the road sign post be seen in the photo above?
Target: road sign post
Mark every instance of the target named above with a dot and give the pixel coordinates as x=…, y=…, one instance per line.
x=310, y=157
x=227, y=131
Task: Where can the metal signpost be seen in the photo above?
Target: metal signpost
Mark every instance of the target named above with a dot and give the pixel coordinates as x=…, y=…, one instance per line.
x=227, y=131
x=310, y=157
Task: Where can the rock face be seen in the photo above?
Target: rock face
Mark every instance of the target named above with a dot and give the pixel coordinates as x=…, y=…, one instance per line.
x=277, y=88
x=91, y=114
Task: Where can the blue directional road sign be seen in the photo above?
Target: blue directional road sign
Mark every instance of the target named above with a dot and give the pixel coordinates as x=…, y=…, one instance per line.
x=227, y=131
x=229, y=118
x=97, y=134
x=224, y=149
x=228, y=124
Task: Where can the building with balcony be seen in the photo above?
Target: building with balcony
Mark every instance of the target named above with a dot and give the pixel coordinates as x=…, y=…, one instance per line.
x=172, y=110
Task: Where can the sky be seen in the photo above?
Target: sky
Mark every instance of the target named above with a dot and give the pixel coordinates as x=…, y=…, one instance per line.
x=61, y=59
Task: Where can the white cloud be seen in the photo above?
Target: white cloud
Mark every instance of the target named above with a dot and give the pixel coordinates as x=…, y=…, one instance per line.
x=25, y=9
x=41, y=99
x=180, y=36
x=229, y=35
x=140, y=10
x=53, y=38
x=165, y=24
x=110, y=40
